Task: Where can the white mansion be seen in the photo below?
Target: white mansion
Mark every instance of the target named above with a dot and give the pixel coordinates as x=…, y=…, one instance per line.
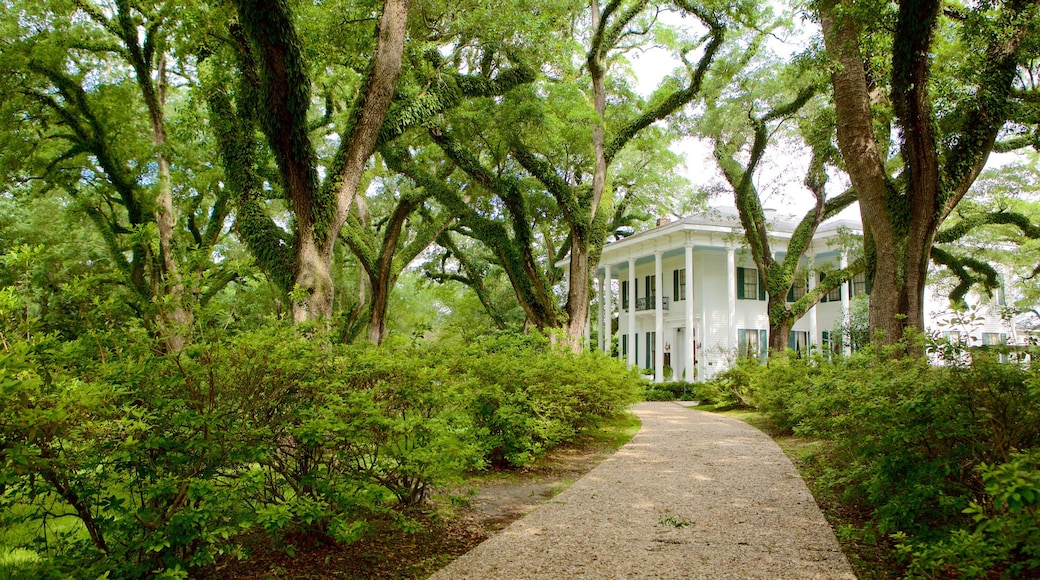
x=688, y=297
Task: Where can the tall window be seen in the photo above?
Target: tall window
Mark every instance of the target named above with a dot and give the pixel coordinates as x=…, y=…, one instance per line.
x=651, y=349
x=995, y=339
x=651, y=289
x=859, y=285
x=797, y=289
x=752, y=343
x=831, y=342
x=679, y=284
x=749, y=287
x=998, y=297
x=835, y=293
x=624, y=294
x=798, y=341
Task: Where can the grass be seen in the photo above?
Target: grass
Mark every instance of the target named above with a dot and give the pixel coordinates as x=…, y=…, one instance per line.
x=18, y=531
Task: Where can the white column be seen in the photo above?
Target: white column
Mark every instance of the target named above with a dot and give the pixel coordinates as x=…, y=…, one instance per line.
x=659, y=318
x=588, y=331
x=691, y=338
x=814, y=336
x=599, y=314
x=731, y=294
x=608, y=308
x=633, y=335
x=843, y=262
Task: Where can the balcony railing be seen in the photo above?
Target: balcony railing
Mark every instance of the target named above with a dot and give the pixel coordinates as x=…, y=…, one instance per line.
x=650, y=302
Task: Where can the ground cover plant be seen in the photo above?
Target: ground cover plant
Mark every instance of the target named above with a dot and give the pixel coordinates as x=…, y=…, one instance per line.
x=137, y=464
x=937, y=464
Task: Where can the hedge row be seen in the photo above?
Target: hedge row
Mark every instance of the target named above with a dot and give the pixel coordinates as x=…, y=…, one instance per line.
x=144, y=465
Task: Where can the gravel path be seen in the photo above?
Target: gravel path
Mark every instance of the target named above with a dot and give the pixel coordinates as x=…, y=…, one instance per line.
x=692, y=495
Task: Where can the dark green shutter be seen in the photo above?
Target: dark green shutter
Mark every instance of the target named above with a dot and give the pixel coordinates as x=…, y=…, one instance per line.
x=740, y=282
x=675, y=285
x=761, y=288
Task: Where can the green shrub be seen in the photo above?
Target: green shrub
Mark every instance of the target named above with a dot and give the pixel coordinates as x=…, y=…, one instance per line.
x=734, y=387
x=1005, y=538
x=935, y=454
x=529, y=396
x=671, y=391
x=163, y=462
x=144, y=466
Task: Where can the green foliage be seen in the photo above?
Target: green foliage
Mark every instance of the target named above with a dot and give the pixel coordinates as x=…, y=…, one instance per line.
x=1006, y=533
x=942, y=458
x=673, y=391
x=117, y=460
x=735, y=386
x=529, y=395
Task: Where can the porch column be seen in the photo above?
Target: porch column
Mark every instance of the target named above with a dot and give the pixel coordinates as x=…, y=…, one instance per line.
x=691, y=338
x=843, y=262
x=814, y=336
x=659, y=318
x=587, y=344
x=633, y=335
x=731, y=294
x=608, y=309
x=599, y=314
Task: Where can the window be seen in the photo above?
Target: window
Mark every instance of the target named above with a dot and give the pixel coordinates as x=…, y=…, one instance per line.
x=798, y=341
x=752, y=343
x=831, y=342
x=679, y=284
x=651, y=349
x=624, y=294
x=993, y=338
x=749, y=287
x=834, y=295
x=998, y=297
x=952, y=336
x=798, y=289
x=651, y=290
x=859, y=285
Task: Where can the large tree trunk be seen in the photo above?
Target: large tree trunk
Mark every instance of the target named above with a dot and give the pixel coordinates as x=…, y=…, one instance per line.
x=890, y=305
x=578, y=294
x=174, y=317
x=380, y=301
x=319, y=209
x=581, y=223
x=313, y=291
x=779, y=326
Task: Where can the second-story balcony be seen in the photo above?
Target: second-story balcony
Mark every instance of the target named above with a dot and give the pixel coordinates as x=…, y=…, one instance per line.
x=650, y=302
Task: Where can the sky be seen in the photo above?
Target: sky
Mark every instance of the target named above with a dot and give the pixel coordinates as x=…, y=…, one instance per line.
x=779, y=177
x=780, y=174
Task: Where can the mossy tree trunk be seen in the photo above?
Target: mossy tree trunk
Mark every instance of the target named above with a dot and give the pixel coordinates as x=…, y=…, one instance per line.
x=780, y=276
x=941, y=152
x=587, y=209
x=319, y=209
x=383, y=259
